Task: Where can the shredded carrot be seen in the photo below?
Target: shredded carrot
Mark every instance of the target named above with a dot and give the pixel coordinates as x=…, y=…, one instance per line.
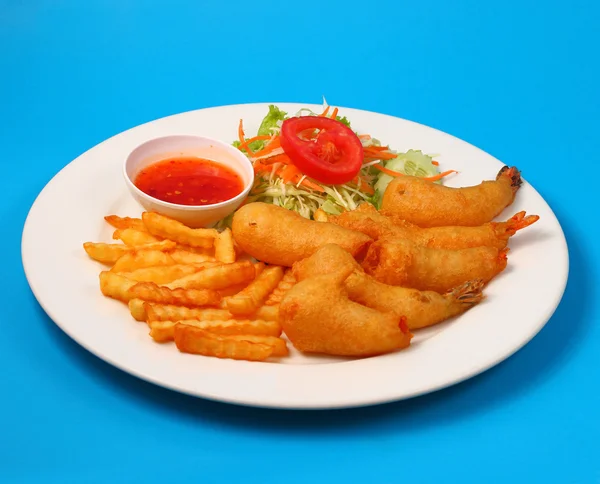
x=271, y=146
x=281, y=158
x=257, y=138
x=364, y=136
x=308, y=183
x=313, y=186
x=378, y=148
x=435, y=163
x=289, y=173
x=242, y=137
x=324, y=113
x=364, y=184
x=366, y=188
x=260, y=167
x=387, y=171
x=378, y=155
x=334, y=114
x=439, y=176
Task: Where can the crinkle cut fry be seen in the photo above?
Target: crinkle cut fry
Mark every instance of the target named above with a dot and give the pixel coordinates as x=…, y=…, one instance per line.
x=286, y=283
x=193, y=340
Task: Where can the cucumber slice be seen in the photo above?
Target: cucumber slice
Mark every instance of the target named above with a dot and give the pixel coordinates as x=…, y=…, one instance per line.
x=413, y=162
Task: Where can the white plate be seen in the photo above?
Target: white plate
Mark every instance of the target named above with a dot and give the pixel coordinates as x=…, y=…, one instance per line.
x=70, y=211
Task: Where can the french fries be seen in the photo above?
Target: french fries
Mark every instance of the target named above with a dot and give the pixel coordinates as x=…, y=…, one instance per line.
x=188, y=256
x=219, y=277
x=285, y=284
x=133, y=237
x=111, y=253
x=189, y=339
x=125, y=222
x=141, y=258
x=248, y=300
x=115, y=286
x=148, y=291
x=267, y=313
x=137, y=308
x=224, y=249
x=189, y=287
x=119, y=287
x=107, y=253
x=162, y=226
x=259, y=267
x=162, y=275
x=204, y=251
x=230, y=291
x=163, y=331
x=279, y=345
x=166, y=312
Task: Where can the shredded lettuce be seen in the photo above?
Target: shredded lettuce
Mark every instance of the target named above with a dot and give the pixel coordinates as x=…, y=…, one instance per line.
x=331, y=207
x=376, y=199
x=269, y=188
x=336, y=198
x=310, y=112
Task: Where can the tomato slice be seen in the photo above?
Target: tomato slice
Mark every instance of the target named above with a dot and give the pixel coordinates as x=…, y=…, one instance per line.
x=334, y=157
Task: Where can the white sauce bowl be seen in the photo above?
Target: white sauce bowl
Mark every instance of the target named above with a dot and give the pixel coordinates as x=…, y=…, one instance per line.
x=159, y=149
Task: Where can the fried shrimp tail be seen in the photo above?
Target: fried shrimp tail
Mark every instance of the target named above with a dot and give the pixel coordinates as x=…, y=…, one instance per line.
x=421, y=308
x=428, y=204
x=399, y=262
x=519, y=221
x=376, y=226
x=468, y=294
x=318, y=317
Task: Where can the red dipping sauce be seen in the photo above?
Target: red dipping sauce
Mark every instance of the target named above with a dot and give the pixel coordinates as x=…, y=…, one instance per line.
x=189, y=181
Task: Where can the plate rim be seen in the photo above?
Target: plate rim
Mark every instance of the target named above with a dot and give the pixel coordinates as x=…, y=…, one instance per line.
x=258, y=402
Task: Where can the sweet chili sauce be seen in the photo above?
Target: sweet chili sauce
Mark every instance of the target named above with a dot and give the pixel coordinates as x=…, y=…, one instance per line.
x=189, y=181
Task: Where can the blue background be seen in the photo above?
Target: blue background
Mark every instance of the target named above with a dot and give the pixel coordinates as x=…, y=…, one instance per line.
x=516, y=79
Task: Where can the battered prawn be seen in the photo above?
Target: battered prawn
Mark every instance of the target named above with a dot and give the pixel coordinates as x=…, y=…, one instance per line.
x=279, y=236
x=376, y=226
x=428, y=204
x=399, y=262
x=318, y=317
x=421, y=308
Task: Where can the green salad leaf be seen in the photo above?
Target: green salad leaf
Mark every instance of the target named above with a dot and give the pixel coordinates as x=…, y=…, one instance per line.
x=343, y=120
x=269, y=123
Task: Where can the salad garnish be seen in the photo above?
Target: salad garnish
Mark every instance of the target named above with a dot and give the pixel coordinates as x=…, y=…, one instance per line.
x=314, y=160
